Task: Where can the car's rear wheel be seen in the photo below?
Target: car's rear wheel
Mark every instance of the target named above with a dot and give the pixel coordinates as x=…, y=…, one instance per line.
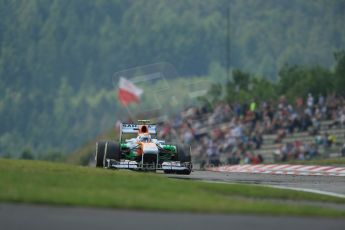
x=100, y=146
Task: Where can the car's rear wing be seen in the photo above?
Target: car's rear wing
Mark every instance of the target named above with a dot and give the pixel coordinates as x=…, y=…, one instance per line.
x=133, y=128
x=129, y=128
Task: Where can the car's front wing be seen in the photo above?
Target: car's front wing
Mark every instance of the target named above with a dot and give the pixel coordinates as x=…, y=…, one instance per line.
x=127, y=164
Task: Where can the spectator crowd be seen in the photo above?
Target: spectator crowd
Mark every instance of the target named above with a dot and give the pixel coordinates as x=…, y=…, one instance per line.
x=235, y=131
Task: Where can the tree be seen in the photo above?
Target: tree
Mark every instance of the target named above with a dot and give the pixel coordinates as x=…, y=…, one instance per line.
x=27, y=155
x=340, y=72
x=241, y=79
x=298, y=81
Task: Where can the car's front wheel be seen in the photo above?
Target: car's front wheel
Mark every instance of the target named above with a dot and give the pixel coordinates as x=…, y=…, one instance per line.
x=169, y=171
x=112, y=151
x=100, y=146
x=184, y=156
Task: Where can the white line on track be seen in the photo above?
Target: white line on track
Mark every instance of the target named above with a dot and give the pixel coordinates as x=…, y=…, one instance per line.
x=283, y=187
x=308, y=190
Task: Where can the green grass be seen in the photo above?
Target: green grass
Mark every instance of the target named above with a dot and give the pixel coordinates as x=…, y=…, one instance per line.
x=330, y=161
x=62, y=184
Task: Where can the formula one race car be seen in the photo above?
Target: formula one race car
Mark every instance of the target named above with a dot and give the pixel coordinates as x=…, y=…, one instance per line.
x=142, y=151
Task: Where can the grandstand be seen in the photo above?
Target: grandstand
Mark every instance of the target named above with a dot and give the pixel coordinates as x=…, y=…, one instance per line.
x=269, y=147
x=267, y=133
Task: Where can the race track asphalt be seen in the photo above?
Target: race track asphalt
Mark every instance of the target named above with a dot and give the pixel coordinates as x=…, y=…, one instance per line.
x=31, y=217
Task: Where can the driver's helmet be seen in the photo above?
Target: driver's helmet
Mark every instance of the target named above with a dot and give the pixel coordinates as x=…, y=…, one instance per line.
x=145, y=137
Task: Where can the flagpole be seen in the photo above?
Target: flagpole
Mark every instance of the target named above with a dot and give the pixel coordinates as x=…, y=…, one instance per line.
x=129, y=113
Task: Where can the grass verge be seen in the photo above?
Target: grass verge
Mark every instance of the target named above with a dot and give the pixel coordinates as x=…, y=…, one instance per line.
x=61, y=184
x=329, y=161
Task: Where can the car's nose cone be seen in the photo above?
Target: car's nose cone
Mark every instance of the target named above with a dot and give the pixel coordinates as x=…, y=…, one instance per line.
x=150, y=148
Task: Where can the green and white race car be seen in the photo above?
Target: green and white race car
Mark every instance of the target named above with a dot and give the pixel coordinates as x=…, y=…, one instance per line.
x=143, y=151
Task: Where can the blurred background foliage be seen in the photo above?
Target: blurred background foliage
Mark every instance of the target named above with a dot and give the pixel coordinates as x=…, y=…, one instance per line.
x=57, y=59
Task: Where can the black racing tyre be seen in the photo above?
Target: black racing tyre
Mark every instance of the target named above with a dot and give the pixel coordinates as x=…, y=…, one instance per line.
x=112, y=151
x=100, y=146
x=183, y=155
x=186, y=171
x=169, y=171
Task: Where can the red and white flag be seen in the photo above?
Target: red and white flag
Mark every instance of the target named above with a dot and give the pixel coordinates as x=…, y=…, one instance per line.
x=128, y=92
